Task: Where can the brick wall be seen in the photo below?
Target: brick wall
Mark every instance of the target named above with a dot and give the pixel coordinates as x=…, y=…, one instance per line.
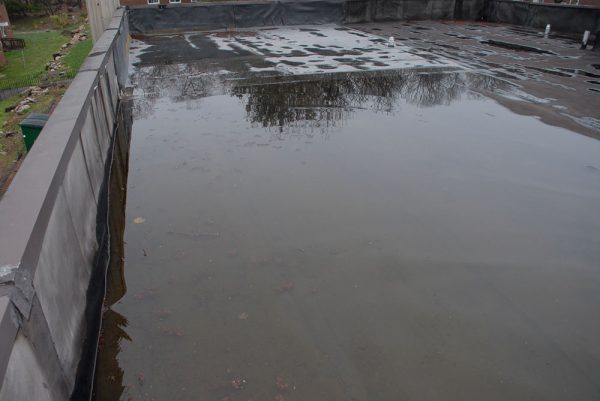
x=167, y=2
x=145, y=2
x=4, y=18
x=3, y=12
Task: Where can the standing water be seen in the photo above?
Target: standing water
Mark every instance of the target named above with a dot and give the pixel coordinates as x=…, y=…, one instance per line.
x=391, y=235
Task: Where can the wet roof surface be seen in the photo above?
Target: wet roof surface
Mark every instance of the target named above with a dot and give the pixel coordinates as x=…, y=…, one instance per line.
x=561, y=80
x=361, y=232
x=289, y=51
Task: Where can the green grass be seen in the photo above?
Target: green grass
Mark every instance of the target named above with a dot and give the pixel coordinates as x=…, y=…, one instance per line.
x=78, y=53
x=41, y=106
x=28, y=67
x=32, y=60
x=29, y=23
x=3, y=105
x=6, y=145
x=36, y=23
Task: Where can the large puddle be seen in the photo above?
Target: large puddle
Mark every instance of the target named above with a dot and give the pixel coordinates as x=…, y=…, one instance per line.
x=391, y=235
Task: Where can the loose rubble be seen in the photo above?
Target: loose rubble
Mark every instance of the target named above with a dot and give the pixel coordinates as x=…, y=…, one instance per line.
x=55, y=65
x=54, y=68
x=31, y=95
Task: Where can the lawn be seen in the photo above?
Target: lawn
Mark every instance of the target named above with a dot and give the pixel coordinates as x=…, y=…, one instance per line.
x=21, y=67
x=31, y=61
x=3, y=105
x=78, y=54
x=9, y=122
x=25, y=68
x=56, y=22
x=11, y=146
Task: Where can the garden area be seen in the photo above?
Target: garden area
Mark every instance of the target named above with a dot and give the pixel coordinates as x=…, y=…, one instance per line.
x=35, y=77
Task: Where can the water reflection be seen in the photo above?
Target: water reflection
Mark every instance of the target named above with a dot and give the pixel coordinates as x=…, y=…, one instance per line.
x=108, y=380
x=308, y=102
x=109, y=374
x=326, y=101
x=180, y=82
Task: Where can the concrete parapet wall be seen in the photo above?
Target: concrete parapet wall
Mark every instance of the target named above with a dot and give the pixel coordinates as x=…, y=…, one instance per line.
x=51, y=231
x=564, y=18
x=238, y=15
x=181, y=17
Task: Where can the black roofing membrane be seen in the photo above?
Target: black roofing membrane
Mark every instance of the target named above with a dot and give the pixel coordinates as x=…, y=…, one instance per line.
x=317, y=213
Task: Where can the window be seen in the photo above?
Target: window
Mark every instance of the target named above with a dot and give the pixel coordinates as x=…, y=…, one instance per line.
x=174, y=1
x=153, y=1
x=3, y=29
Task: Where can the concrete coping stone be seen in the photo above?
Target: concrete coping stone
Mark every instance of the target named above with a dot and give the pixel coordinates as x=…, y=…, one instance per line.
x=26, y=206
x=28, y=202
x=115, y=22
x=8, y=333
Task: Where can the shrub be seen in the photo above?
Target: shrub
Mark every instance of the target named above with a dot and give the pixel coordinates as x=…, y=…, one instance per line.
x=60, y=21
x=16, y=8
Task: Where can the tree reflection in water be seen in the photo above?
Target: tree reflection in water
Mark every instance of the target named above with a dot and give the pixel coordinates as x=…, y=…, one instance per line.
x=310, y=102
x=286, y=104
x=324, y=102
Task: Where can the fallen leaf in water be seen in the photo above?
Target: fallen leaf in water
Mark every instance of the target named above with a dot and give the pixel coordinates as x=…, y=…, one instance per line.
x=286, y=286
x=243, y=316
x=279, y=397
x=171, y=331
x=139, y=220
x=238, y=383
x=281, y=384
x=164, y=312
x=140, y=378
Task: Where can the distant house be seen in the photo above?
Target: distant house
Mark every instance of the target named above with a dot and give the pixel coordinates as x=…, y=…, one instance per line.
x=5, y=30
x=176, y=2
x=155, y=2
x=569, y=2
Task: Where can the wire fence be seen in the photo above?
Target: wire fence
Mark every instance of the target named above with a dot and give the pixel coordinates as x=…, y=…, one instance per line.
x=37, y=79
x=12, y=43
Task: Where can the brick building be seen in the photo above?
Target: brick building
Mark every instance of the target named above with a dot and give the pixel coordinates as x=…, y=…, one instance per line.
x=568, y=2
x=156, y=2
x=5, y=30
x=177, y=2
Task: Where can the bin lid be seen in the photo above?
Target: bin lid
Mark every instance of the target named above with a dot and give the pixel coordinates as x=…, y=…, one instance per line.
x=35, y=120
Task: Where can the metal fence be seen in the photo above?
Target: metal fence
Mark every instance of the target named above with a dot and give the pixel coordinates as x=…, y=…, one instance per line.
x=12, y=43
x=37, y=79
